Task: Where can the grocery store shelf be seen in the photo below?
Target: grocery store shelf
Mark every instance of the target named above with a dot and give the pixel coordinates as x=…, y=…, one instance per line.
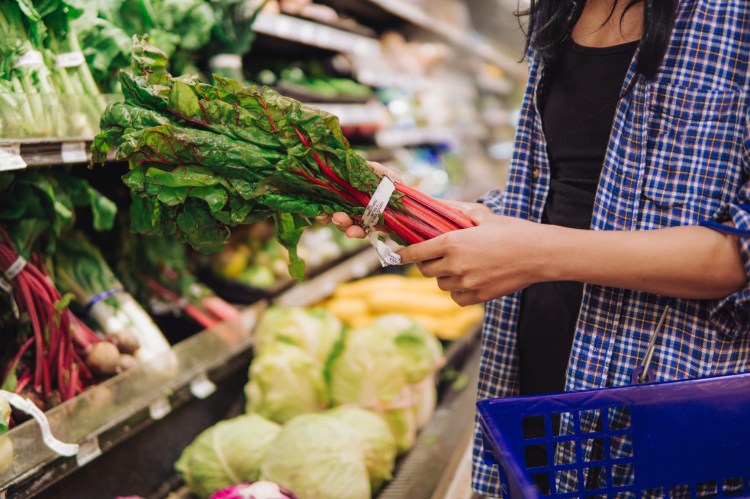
x=322, y=286
x=314, y=34
x=132, y=399
x=372, y=113
x=409, y=137
x=17, y=154
x=115, y=410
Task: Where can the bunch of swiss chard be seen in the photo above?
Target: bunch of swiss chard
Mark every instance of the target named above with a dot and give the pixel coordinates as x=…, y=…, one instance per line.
x=46, y=352
x=158, y=272
x=205, y=158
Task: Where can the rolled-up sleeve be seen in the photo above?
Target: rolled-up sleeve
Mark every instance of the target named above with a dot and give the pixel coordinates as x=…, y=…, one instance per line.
x=494, y=200
x=731, y=315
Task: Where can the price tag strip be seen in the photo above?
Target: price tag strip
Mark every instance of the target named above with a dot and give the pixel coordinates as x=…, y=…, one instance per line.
x=69, y=60
x=74, y=152
x=371, y=217
x=10, y=157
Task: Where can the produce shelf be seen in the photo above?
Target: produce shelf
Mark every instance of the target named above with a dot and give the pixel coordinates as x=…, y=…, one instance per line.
x=397, y=137
x=381, y=11
x=314, y=34
x=106, y=413
x=116, y=410
x=17, y=154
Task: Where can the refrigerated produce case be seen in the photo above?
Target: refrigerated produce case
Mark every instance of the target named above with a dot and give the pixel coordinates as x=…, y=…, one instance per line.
x=435, y=120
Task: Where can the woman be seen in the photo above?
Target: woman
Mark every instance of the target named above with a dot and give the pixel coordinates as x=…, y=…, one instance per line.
x=634, y=125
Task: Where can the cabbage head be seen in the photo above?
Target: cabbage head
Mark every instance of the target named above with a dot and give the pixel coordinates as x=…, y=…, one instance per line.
x=422, y=351
x=314, y=330
x=285, y=382
x=368, y=371
x=378, y=443
x=317, y=457
x=403, y=425
x=226, y=454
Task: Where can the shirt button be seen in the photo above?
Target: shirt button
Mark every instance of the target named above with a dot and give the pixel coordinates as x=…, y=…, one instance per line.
x=535, y=172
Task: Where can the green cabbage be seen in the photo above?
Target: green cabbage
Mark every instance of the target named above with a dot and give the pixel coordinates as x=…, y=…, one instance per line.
x=228, y=453
x=383, y=367
x=316, y=331
x=317, y=457
x=420, y=348
x=285, y=382
x=378, y=444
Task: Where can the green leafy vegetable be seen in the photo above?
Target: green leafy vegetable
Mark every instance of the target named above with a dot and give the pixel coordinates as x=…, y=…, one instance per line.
x=206, y=158
x=316, y=456
x=377, y=442
x=285, y=382
x=226, y=454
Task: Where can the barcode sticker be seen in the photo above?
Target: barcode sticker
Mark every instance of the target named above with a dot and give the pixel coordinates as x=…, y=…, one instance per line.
x=377, y=205
x=74, y=152
x=10, y=157
x=69, y=60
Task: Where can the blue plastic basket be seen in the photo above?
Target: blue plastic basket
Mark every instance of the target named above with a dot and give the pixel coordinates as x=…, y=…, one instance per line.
x=694, y=434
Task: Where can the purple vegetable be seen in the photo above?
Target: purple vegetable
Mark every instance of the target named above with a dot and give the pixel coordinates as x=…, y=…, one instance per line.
x=254, y=490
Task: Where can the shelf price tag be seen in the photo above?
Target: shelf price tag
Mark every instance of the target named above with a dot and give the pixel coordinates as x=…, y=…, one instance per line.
x=74, y=152
x=88, y=451
x=159, y=408
x=201, y=387
x=10, y=157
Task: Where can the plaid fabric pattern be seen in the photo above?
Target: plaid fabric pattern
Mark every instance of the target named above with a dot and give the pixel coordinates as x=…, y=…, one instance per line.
x=679, y=153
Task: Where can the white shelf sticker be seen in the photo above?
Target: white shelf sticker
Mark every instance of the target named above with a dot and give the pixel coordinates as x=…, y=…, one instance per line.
x=201, y=387
x=74, y=152
x=10, y=157
x=159, y=408
x=88, y=451
x=225, y=61
x=69, y=60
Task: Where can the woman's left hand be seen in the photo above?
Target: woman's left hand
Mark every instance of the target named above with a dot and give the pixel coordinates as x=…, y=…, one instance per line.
x=500, y=256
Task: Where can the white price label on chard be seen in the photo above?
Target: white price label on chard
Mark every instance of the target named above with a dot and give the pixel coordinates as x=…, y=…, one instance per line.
x=10, y=157
x=30, y=58
x=74, y=152
x=69, y=60
x=378, y=202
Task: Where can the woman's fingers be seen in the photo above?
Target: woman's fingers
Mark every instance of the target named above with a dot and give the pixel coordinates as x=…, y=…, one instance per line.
x=355, y=232
x=342, y=220
x=323, y=219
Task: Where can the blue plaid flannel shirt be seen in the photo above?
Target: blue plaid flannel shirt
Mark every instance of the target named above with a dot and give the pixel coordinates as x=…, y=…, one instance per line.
x=679, y=154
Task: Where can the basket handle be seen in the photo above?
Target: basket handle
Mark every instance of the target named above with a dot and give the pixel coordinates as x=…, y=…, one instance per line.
x=643, y=373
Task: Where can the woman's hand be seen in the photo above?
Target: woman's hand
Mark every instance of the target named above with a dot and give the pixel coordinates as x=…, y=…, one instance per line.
x=499, y=256
x=342, y=220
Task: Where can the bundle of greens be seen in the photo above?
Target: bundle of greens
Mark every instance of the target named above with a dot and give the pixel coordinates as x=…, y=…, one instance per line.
x=180, y=27
x=81, y=271
x=40, y=59
x=47, y=353
x=206, y=158
x=156, y=270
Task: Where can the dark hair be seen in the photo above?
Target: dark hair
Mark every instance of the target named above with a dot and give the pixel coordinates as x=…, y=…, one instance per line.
x=550, y=23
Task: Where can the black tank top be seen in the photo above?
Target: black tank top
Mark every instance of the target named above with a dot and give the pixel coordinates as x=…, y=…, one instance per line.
x=578, y=108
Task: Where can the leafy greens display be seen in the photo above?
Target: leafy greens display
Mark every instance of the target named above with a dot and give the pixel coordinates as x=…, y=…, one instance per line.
x=205, y=158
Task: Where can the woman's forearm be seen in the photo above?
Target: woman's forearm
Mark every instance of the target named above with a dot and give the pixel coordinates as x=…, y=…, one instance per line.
x=684, y=262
